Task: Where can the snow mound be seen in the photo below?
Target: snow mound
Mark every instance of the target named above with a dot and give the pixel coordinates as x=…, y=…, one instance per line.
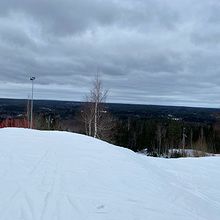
x=58, y=175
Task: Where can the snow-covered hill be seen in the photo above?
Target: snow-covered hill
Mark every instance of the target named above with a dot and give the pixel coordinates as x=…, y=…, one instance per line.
x=65, y=176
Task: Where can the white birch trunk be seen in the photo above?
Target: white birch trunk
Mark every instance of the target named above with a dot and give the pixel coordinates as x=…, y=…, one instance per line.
x=95, y=120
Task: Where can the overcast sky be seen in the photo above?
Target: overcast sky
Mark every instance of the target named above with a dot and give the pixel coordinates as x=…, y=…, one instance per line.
x=163, y=52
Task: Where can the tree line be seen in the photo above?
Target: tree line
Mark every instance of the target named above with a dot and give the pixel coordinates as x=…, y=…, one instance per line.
x=161, y=136
x=158, y=136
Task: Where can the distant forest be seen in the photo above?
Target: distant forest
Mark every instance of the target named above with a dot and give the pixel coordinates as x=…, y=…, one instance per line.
x=137, y=127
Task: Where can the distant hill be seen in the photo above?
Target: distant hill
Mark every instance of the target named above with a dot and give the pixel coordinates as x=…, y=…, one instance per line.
x=65, y=109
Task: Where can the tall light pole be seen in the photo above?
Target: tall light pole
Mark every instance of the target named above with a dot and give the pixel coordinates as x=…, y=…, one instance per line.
x=32, y=101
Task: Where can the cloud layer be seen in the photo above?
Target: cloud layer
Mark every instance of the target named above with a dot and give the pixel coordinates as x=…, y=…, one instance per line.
x=147, y=51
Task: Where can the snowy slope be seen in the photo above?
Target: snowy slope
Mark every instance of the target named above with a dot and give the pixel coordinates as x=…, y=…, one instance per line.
x=65, y=176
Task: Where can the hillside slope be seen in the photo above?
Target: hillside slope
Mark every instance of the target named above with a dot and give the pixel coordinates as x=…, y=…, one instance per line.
x=64, y=176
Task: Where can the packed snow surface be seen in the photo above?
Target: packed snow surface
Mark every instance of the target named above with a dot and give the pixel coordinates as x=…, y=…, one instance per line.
x=64, y=176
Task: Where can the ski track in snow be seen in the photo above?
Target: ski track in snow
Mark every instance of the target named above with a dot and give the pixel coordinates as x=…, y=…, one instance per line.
x=63, y=176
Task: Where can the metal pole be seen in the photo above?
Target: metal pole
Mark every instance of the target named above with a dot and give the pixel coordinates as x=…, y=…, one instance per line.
x=32, y=101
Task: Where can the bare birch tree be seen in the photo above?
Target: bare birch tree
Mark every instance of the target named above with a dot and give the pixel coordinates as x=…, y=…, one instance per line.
x=97, y=96
x=97, y=121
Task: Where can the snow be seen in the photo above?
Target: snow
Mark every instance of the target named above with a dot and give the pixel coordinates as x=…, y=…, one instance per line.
x=64, y=176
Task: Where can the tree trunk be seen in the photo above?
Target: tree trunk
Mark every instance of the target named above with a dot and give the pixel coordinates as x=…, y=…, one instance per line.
x=95, y=120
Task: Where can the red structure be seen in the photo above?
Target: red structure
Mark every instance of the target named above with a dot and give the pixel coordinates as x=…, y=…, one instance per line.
x=14, y=122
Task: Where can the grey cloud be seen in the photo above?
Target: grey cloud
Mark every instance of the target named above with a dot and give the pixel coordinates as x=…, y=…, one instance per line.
x=64, y=17
x=147, y=51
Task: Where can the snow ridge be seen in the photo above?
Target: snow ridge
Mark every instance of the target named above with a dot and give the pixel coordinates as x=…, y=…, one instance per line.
x=47, y=175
